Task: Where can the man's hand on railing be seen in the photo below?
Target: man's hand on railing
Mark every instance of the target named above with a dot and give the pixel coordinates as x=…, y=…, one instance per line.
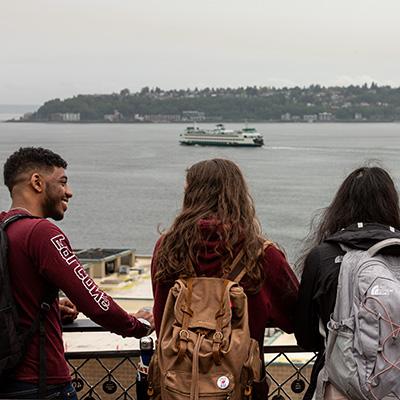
x=68, y=310
x=145, y=315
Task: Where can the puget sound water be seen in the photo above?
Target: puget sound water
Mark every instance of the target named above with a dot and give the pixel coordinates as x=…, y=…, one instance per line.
x=128, y=179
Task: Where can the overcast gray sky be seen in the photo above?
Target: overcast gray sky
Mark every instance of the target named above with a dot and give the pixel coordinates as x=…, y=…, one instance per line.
x=60, y=48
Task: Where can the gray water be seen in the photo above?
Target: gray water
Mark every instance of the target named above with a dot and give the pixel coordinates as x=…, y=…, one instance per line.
x=128, y=179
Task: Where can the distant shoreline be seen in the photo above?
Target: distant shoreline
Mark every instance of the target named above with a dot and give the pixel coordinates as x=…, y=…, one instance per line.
x=200, y=123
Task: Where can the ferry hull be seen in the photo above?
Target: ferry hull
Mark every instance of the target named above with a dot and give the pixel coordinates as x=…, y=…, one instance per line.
x=224, y=144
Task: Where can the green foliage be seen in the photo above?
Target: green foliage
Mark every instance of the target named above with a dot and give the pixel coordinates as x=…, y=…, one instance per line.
x=372, y=103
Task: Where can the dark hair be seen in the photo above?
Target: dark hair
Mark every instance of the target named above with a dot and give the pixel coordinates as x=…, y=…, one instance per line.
x=29, y=158
x=215, y=190
x=368, y=194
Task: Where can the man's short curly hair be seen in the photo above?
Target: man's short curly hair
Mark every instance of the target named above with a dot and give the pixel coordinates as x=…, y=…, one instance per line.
x=29, y=158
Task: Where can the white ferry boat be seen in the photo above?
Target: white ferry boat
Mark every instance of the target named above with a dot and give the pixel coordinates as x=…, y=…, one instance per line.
x=219, y=136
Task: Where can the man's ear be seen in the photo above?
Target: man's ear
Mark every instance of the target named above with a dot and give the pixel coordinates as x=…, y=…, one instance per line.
x=37, y=182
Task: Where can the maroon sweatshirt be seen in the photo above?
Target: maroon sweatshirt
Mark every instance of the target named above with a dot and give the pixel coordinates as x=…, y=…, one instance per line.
x=272, y=306
x=40, y=258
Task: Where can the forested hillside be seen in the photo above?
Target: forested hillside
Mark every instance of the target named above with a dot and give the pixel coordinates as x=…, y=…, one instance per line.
x=315, y=103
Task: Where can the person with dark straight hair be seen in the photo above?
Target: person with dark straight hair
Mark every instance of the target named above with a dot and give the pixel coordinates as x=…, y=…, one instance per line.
x=364, y=211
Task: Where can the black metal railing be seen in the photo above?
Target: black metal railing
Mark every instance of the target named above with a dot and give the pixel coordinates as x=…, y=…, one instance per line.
x=112, y=374
x=288, y=374
x=105, y=374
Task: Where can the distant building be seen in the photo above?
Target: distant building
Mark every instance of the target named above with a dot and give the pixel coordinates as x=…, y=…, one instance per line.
x=193, y=116
x=286, y=117
x=65, y=117
x=325, y=116
x=115, y=117
x=71, y=117
x=162, y=118
x=55, y=117
x=310, y=117
x=358, y=117
x=138, y=117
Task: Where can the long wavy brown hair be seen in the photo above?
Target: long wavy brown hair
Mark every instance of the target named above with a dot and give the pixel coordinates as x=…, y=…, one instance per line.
x=217, y=191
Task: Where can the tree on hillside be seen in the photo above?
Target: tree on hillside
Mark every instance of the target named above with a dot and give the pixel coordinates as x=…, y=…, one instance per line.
x=124, y=92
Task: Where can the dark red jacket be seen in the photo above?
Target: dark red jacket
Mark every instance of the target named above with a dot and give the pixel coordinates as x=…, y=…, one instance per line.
x=40, y=258
x=272, y=306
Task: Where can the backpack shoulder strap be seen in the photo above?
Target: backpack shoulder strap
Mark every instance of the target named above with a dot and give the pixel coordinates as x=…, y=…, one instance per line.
x=4, y=275
x=8, y=221
x=237, y=272
x=236, y=269
x=373, y=250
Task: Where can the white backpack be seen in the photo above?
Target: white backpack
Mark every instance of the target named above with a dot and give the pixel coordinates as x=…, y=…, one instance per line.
x=362, y=355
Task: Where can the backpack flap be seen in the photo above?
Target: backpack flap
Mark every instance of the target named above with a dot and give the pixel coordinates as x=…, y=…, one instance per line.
x=197, y=302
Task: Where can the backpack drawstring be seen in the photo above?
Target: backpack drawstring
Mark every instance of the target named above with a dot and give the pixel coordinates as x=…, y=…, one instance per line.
x=194, y=389
x=394, y=334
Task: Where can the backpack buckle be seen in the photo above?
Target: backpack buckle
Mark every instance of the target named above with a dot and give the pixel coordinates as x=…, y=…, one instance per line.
x=150, y=390
x=183, y=343
x=184, y=335
x=248, y=390
x=217, y=337
x=216, y=347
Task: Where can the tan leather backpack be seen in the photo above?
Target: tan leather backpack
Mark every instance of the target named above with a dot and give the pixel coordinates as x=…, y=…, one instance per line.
x=204, y=349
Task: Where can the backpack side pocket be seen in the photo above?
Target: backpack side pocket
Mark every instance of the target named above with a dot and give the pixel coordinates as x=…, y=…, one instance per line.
x=154, y=379
x=251, y=373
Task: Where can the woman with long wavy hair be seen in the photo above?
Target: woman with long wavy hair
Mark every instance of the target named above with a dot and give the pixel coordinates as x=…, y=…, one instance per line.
x=216, y=222
x=364, y=211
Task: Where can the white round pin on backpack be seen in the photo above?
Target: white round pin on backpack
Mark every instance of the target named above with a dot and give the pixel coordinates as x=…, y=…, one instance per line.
x=223, y=382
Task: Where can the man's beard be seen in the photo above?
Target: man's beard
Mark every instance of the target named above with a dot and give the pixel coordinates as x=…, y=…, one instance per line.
x=50, y=208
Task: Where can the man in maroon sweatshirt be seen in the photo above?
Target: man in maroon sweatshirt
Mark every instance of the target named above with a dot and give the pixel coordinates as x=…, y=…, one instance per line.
x=41, y=260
